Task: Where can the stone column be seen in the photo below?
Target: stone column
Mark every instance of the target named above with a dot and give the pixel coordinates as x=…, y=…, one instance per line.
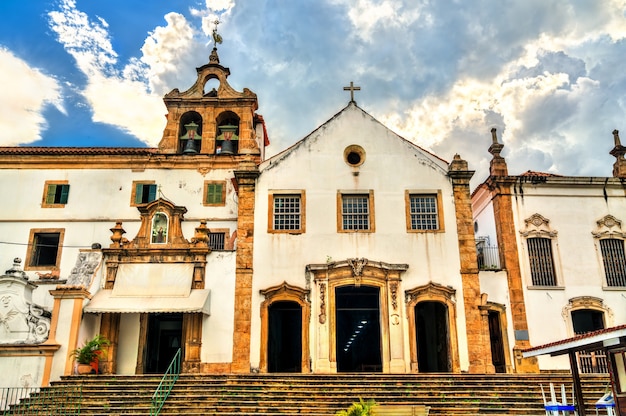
x=479, y=351
x=68, y=308
x=500, y=185
x=246, y=175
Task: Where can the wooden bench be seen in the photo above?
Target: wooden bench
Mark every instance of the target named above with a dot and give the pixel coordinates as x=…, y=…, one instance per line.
x=400, y=410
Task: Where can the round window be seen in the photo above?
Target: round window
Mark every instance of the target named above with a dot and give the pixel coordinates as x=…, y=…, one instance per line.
x=354, y=155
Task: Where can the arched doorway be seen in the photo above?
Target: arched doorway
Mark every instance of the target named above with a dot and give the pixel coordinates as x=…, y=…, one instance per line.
x=284, y=331
x=358, y=342
x=433, y=340
x=284, y=350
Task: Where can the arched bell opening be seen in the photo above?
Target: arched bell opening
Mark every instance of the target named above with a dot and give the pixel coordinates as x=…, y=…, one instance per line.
x=227, y=135
x=211, y=87
x=190, y=133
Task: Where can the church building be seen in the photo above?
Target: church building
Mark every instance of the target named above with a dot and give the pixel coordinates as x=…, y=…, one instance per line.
x=354, y=250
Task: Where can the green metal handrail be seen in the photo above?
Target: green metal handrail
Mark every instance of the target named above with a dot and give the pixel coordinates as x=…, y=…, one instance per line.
x=59, y=400
x=165, y=386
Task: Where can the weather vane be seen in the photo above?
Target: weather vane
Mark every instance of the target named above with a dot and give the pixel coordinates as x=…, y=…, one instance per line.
x=217, y=38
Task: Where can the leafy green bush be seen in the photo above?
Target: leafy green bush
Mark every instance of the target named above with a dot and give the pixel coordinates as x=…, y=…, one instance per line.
x=360, y=408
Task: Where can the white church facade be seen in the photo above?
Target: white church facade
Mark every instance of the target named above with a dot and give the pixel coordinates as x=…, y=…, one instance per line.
x=354, y=250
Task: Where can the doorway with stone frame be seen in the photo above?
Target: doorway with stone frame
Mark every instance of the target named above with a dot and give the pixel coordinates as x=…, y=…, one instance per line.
x=353, y=293
x=432, y=328
x=285, y=320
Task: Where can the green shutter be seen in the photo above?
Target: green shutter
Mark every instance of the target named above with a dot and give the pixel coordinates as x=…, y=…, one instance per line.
x=214, y=193
x=50, y=192
x=65, y=191
x=152, y=193
x=138, y=193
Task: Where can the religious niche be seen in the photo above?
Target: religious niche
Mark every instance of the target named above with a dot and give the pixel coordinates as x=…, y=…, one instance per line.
x=21, y=321
x=227, y=140
x=190, y=139
x=160, y=226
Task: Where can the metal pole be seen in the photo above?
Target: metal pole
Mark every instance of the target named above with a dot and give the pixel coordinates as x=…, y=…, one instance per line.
x=578, y=391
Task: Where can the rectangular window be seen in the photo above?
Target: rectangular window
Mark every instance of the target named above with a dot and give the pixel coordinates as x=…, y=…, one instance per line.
x=214, y=193
x=286, y=213
x=614, y=260
x=55, y=194
x=143, y=193
x=216, y=241
x=356, y=212
x=541, y=261
x=424, y=212
x=44, y=249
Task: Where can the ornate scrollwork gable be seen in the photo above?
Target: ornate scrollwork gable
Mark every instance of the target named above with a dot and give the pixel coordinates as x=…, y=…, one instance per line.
x=609, y=227
x=538, y=226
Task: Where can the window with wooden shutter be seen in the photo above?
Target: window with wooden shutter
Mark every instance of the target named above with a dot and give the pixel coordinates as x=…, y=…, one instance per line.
x=56, y=194
x=214, y=193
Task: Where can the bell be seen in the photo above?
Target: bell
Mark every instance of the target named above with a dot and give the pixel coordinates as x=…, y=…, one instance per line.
x=190, y=147
x=190, y=138
x=227, y=137
x=228, y=148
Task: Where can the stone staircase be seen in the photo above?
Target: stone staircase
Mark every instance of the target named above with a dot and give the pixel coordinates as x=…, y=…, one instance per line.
x=320, y=395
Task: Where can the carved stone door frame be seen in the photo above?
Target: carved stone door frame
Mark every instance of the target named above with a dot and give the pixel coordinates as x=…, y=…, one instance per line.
x=356, y=272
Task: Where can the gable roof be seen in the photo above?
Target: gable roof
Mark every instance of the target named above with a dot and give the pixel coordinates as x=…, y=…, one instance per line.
x=351, y=106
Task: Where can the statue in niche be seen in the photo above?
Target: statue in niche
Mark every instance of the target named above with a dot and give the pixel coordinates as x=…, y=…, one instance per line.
x=159, y=228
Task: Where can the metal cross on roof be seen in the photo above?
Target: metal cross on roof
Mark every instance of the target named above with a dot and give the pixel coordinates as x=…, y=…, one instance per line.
x=352, y=88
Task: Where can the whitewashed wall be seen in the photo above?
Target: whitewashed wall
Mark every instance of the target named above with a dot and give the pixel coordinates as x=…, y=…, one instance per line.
x=392, y=165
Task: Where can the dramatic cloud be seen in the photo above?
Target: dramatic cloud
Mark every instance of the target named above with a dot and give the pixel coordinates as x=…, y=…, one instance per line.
x=119, y=98
x=23, y=100
x=441, y=73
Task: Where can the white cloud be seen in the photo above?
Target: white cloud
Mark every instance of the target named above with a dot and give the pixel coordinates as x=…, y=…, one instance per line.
x=170, y=52
x=23, y=100
x=120, y=98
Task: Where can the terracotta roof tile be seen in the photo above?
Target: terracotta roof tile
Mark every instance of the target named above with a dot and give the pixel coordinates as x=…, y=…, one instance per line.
x=19, y=150
x=578, y=337
x=541, y=174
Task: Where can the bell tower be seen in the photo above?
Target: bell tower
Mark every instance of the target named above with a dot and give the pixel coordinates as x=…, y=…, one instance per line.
x=220, y=121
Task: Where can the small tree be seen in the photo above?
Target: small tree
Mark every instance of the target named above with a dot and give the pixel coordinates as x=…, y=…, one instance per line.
x=360, y=408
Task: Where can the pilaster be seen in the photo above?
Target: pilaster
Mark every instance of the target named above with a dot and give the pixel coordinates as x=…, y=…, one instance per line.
x=479, y=350
x=246, y=175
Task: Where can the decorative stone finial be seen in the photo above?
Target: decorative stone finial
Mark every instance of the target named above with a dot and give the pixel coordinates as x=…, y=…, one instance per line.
x=616, y=138
x=495, y=147
x=619, y=167
x=497, y=166
x=494, y=136
x=16, y=270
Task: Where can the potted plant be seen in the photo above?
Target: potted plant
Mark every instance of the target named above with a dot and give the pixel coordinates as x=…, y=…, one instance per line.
x=88, y=356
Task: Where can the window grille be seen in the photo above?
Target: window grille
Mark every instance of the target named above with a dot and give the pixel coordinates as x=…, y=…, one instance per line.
x=287, y=212
x=541, y=261
x=216, y=241
x=355, y=212
x=424, y=212
x=614, y=261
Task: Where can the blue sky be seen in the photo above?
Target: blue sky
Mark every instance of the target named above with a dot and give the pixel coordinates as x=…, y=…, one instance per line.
x=546, y=73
